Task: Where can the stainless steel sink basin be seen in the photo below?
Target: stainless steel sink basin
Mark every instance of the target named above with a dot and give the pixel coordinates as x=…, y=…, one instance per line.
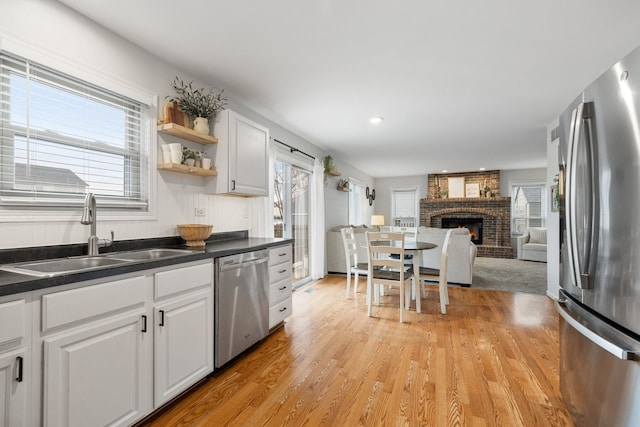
x=148, y=254
x=60, y=266
x=56, y=267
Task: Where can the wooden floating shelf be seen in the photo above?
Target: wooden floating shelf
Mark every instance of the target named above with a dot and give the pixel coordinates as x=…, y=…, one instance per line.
x=186, y=133
x=333, y=172
x=189, y=170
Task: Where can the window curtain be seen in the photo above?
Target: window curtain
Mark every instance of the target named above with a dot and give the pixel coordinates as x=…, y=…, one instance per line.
x=317, y=233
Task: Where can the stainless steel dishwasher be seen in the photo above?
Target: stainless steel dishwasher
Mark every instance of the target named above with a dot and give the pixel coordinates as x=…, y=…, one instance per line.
x=241, y=303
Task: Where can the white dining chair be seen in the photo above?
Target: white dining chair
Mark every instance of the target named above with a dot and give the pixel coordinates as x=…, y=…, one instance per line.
x=438, y=275
x=353, y=267
x=387, y=270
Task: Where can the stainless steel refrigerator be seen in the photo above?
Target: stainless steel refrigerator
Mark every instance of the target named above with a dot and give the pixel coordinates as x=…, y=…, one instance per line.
x=599, y=304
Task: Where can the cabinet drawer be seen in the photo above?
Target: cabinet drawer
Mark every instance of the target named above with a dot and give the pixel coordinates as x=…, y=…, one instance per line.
x=279, y=255
x=280, y=272
x=279, y=312
x=61, y=308
x=12, y=319
x=183, y=279
x=279, y=291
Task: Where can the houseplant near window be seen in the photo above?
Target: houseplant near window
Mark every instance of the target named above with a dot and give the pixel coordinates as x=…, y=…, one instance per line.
x=197, y=103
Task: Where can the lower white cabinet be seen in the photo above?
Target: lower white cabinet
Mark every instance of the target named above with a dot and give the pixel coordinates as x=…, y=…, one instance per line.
x=280, y=284
x=96, y=349
x=15, y=375
x=183, y=346
x=95, y=375
x=113, y=352
x=13, y=388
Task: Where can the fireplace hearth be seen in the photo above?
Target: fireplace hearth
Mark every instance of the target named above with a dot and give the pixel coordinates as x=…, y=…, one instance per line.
x=494, y=212
x=474, y=225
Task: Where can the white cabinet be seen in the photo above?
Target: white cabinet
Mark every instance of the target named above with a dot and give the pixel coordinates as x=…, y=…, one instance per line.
x=242, y=156
x=115, y=351
x=97, y=342
x=15, y=376
x=183, y=317
x=280, y=284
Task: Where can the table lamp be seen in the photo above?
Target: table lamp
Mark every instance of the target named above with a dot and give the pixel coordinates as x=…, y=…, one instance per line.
x=377, y=220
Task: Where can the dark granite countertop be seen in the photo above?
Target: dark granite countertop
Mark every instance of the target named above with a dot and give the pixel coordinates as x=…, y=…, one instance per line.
x=218, y=245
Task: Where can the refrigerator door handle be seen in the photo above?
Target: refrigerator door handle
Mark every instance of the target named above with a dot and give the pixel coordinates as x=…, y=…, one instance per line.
x=616, y=350
x=570, y=200
x=580, y=259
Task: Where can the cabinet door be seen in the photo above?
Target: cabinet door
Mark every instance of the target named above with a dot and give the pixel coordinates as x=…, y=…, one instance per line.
x=13, y=388
x=183, y=343
x=248, y=156
x=98, y=374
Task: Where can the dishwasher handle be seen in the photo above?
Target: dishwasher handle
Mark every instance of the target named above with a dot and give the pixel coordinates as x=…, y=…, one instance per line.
x=243, y=263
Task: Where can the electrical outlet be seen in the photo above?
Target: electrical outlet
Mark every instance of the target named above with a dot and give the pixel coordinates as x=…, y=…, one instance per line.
x=200, y=212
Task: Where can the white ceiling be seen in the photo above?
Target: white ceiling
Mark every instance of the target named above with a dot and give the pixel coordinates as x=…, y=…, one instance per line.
x=460, y=84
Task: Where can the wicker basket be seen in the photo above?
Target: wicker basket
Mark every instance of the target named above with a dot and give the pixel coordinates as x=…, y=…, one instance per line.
x=194, y=234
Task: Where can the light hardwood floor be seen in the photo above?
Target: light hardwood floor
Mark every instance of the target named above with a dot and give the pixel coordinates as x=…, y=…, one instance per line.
x=492, y=360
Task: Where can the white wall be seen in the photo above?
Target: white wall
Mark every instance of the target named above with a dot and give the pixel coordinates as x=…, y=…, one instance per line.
x=383, y=188
x=507, y=177
x=553, y=219
x=337, y=202
x=57, y=30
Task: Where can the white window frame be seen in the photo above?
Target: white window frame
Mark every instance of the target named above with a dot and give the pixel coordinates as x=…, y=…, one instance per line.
x=543, y=203
x=416, y=214
x=44, y=210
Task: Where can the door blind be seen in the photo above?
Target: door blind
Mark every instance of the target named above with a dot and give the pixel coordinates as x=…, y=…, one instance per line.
x=63, y=137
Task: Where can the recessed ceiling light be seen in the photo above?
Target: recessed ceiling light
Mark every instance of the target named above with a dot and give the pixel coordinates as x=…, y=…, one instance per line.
x=376, y=120
x=483, y=169
x=444, y=171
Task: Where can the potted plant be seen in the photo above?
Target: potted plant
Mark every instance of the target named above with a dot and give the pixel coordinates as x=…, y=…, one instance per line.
x=487, y=191
x=197, y=103
x=343, y=185
x=189, y=156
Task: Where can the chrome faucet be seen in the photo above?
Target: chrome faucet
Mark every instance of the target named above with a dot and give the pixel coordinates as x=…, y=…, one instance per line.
x=89, y=217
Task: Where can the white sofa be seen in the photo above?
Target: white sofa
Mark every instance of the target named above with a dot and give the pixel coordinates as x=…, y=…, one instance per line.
x=462, y=253
x=532, y=245
x=336, y=262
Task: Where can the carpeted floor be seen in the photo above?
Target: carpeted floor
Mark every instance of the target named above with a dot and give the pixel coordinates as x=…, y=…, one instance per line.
x=513, y=275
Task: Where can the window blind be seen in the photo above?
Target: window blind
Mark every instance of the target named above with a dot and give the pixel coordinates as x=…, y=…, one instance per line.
x=62, y=137
x=404, y=207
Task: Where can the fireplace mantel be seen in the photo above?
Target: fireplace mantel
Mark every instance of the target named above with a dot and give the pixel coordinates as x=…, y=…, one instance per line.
x=495, y=212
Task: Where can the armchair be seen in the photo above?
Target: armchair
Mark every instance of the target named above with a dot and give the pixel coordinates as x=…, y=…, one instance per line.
x=532, y=245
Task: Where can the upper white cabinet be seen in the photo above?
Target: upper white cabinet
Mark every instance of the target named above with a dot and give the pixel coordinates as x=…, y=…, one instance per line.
x=242, y=156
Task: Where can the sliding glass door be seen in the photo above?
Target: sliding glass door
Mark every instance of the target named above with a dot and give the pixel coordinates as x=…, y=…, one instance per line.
x=291, y=213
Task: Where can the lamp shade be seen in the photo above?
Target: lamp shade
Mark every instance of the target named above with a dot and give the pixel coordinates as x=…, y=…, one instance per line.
x=377, y=219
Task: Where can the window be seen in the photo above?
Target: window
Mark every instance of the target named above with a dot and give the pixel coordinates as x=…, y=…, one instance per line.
x=404, y=207
x=356, y=201
x=63, y=137
x=528, y=206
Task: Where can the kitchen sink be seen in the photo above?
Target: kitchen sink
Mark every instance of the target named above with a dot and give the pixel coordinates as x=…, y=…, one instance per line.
x=148, y=254
x=60, y=266
x=56, y=267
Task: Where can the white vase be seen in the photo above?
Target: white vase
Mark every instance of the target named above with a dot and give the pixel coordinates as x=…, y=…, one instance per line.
x=201, y=125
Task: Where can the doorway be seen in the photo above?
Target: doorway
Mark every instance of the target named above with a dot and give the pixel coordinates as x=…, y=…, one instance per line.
x=291, y=214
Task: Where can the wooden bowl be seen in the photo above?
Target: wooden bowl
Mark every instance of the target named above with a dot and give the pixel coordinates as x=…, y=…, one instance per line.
x=194, y=234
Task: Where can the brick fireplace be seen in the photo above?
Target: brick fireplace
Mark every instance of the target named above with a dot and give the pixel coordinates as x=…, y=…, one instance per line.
x=490, y=217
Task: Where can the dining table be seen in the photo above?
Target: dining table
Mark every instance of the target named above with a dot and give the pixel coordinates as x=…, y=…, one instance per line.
x=413, y=247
